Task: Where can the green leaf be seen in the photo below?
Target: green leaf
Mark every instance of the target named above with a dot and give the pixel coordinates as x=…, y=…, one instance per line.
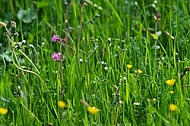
x=41, y=4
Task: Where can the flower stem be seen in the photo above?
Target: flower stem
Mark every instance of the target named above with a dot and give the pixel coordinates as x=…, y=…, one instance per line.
x=61, y=72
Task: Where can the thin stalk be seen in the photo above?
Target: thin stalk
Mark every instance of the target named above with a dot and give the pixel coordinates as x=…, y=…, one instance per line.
x=61, y=71
x=31, y=113
x=155, y=49
x=116, y=118
x=18, y=64
x=13, y=44
x=12, y=6
x=29, y=61
x=80, y=30
x=25, y=69
x=79, y=33
x=156, y=27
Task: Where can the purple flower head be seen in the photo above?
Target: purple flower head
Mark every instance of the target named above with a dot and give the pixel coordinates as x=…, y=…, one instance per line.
x=55, y=38
x=56, y=56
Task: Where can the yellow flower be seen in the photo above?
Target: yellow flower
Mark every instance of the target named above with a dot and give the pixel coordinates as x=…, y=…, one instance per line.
x=61, y=104
x=173, y=107
x=92, y=110
x=170, y=82
x=139, y=71
x=3, y=111
x=171, y=92
x=129, y=66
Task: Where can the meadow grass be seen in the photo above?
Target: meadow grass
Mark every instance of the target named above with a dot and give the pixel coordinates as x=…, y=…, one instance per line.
x=117, y=69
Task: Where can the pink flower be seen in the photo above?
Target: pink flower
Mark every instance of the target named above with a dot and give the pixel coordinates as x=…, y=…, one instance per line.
x=55, y=38
x=63, y=40
x=56, y=56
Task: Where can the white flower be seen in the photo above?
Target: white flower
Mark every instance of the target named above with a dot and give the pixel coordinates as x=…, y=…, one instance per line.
x=136, y=103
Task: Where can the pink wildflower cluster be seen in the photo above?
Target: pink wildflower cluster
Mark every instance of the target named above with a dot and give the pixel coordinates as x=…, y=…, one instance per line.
x=56, y=38
x=57, y=56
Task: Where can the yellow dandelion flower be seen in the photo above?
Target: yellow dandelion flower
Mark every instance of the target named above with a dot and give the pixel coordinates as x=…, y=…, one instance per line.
x=139, y=71
x=170, y=82
x=173, y=107
x=92, y=110
x=3, y=111
x=171, y=92
x=61, y=104
x=129, y=66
